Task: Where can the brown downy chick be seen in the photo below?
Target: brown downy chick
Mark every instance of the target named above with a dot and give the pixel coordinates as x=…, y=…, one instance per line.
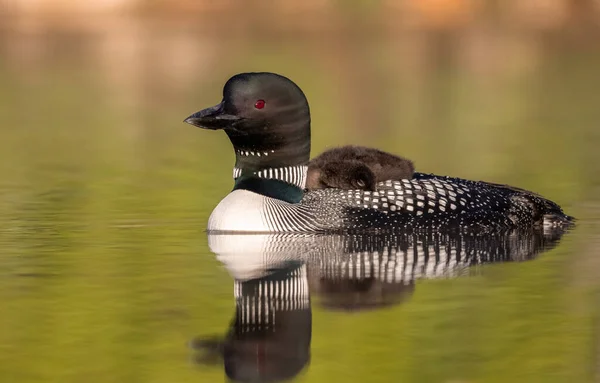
x=356, y=167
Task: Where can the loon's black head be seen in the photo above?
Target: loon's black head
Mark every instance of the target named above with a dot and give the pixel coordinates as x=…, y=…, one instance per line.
x=266, y=117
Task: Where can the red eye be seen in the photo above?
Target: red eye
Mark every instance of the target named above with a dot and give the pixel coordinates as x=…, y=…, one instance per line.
x=259, y=104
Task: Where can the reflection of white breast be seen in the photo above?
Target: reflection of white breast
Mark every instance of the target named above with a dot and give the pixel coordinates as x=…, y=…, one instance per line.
x=251, y=256
x=240, y=211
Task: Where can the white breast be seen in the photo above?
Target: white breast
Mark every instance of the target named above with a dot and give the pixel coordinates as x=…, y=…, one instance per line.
x=240, y=211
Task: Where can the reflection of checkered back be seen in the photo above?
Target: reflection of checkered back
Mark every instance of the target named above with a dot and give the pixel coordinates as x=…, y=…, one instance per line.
x=370, y=271
x=402, y=258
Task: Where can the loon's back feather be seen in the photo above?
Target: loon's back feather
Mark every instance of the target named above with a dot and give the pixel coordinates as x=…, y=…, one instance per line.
x=544, y=208
x=428, y=201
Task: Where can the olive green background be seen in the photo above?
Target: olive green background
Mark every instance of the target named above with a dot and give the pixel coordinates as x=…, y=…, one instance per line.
x=105, y=272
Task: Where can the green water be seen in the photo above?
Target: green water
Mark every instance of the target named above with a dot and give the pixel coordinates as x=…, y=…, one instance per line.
x=104, y=196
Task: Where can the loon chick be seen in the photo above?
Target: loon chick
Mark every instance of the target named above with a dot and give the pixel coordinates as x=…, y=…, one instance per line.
x=340, y=175
x=356, y=167
x=267, y=119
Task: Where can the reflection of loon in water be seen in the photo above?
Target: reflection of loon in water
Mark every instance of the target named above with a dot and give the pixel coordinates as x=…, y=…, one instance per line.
x=269, y=338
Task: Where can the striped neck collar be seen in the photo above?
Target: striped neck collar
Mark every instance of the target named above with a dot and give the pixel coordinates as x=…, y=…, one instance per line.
x=294, y=175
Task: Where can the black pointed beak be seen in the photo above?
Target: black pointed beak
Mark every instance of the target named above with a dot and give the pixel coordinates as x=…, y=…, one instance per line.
x=212, y=118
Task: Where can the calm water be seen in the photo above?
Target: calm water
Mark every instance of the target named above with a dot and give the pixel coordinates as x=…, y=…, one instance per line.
x=106, y=272
x=279, y=277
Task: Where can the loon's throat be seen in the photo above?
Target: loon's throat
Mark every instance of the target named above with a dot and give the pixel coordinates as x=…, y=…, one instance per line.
x=272, y=188
x=293, y=175
x=286, y=183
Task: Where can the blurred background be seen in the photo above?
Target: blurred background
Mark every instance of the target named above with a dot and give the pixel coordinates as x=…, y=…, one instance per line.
x=105, y=272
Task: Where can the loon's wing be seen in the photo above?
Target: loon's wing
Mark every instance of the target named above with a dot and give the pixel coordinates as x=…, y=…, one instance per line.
x=542, y=205
x=501, y=187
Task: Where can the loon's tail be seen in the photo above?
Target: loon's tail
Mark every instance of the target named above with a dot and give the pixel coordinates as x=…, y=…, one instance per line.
x=545, y=212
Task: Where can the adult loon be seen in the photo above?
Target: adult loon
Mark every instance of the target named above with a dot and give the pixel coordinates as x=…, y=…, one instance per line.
x=267, y=119
x=356, y=167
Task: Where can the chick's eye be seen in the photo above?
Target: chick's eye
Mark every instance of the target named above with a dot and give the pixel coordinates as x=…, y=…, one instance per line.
x=259, y=104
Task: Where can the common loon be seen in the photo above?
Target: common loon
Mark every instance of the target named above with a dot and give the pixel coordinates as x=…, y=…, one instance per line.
x=356, y=167
x=267, y=119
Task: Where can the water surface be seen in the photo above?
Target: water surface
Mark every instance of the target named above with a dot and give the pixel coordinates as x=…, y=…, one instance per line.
x=104, y=196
